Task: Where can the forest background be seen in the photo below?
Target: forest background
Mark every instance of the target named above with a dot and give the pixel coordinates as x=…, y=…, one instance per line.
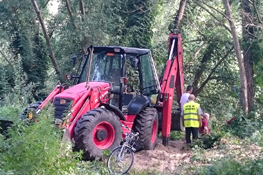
x=222, y=42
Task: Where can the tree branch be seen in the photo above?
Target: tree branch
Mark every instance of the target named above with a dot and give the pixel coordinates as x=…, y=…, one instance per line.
x=197, y=29
x=179, y=16
x=5, y=57
x=224, y=15
x=227, y=28
x=254, y=5
x=195, y=55
x=212, y=71
x=82, y=9
x=51, y=54
x=70, y=14
x=46, y=3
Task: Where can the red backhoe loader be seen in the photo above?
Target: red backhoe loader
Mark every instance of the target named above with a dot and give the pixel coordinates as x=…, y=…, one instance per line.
x=119, y=85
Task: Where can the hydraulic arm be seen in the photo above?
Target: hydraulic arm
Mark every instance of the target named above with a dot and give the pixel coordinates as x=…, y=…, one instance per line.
x=173, y=77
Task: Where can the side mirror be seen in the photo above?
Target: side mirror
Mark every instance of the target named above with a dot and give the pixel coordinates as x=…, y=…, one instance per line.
x=74, y=57
x=134, y=62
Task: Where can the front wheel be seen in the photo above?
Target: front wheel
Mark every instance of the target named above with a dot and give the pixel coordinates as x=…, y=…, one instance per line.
x=97, y=130
x=120, y=160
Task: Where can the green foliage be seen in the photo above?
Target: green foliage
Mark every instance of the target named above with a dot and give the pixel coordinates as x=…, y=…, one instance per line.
x=207, y=141
x=36, y=149
x=134, y=20
x=228, y=167
x=25, y=42
x=175, y=135
x=20, y=93
x=5, y=79
x=10, y=113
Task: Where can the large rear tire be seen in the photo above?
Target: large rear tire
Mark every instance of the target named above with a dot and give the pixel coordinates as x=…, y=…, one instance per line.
x=97, y=130
x=146, y=123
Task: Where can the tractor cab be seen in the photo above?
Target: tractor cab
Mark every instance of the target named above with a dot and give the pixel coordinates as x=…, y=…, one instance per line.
x=130, y=72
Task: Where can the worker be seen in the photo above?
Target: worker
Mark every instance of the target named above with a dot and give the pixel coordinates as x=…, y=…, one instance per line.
x=204, y=129
x=192, y=120
x=185, y=96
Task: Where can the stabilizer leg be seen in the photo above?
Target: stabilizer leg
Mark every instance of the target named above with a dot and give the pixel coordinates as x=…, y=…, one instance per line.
x=165, y=141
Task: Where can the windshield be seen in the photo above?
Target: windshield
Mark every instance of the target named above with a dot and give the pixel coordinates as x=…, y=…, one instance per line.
x=149, y=84
x=104, y=67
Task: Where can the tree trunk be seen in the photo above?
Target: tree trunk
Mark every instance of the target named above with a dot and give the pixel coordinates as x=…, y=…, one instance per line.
x=248, y=33
x=82, y=9
x=51, y=54
x=179, y=16
x=85, y=40
x=71, y=14
x=242, y=71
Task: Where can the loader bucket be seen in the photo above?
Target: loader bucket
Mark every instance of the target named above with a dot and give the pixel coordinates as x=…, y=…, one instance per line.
x=4, y=125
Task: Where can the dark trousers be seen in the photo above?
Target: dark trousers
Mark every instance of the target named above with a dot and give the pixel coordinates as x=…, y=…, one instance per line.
x=189, y=131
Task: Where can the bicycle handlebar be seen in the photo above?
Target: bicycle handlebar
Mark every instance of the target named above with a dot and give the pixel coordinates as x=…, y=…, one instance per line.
x=126, y=127
x=134, y=134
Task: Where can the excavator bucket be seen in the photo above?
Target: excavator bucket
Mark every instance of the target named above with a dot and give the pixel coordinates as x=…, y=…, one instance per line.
x=4, y=125
x=177, y=124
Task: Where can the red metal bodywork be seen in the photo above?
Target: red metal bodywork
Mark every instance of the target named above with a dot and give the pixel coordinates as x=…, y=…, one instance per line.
x=84, y=99
x=58, y=89
x=129, y=122
x=173, y=77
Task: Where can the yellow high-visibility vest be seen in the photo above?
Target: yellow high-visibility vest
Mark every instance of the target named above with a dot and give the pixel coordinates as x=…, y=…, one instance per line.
x=190, y=114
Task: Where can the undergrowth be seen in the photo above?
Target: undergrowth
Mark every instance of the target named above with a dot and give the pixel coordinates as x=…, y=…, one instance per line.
x=37, y=149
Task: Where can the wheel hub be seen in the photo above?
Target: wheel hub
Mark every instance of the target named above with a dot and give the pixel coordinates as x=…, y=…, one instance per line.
x=101, y=134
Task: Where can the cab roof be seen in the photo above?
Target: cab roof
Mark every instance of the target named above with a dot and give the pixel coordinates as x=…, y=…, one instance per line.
x=118, y=49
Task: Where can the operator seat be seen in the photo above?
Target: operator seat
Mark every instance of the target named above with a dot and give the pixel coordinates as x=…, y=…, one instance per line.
x=127, y=99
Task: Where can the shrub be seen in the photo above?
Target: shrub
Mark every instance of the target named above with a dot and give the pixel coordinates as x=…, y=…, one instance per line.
x=36, y=149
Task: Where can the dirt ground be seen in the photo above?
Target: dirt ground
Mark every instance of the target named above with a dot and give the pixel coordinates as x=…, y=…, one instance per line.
x=162, y=159
x=176, y=157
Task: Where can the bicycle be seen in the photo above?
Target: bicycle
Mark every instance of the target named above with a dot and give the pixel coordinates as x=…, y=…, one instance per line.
x=121, y=158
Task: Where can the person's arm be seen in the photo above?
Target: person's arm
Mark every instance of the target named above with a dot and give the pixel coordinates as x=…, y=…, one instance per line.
x=200, y=120
x=199, y=112
x=205, y=130
x=205, y=127
x=182, y=115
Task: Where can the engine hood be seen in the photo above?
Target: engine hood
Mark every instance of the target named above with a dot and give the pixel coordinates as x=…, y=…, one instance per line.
x=75, y=92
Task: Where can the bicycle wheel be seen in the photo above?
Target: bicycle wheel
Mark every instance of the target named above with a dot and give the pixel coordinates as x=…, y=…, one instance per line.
x=120, y=160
